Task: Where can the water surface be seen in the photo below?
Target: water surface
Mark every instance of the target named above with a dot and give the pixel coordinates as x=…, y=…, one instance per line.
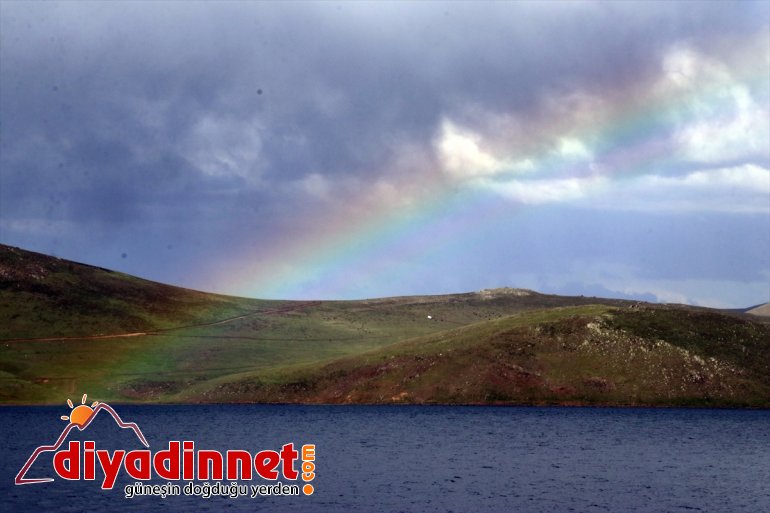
x=438, y=458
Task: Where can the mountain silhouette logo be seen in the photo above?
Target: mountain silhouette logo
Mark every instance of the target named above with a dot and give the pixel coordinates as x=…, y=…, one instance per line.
x=179, y=459
x=80, y=417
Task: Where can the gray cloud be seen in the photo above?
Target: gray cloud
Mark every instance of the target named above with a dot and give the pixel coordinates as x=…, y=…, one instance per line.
x=195, y=118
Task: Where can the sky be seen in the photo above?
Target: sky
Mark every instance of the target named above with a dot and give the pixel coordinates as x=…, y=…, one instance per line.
x=351, y=150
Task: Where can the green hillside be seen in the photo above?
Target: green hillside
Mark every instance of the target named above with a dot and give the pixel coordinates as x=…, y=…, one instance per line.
x=68, y=328
x=656, y=356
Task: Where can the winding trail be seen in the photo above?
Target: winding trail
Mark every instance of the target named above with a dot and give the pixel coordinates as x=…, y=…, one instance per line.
x=271, y=311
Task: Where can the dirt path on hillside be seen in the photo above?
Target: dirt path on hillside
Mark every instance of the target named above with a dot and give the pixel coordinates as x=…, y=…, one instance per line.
x=271, y=311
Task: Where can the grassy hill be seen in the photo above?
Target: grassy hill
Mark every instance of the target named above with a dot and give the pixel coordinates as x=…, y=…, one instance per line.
x=657, y=356
x=68, y=328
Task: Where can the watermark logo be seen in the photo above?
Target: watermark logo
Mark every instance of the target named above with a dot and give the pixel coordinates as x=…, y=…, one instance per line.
x=178, y=461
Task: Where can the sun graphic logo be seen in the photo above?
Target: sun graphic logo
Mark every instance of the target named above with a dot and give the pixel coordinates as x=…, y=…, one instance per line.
x=178, y=460
x=81, y=414
x=80, y=417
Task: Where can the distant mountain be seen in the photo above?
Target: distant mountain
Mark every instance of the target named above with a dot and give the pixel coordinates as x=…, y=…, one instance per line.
x=762, y=310
x=72, y=328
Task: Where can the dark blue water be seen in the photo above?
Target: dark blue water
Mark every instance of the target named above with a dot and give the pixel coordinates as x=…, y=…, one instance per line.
x=419, y=459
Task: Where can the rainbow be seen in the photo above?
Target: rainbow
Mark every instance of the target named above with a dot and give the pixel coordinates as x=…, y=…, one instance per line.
x=354, y=247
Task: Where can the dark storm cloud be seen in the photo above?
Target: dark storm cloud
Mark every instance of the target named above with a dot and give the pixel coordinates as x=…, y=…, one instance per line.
x=194, y=116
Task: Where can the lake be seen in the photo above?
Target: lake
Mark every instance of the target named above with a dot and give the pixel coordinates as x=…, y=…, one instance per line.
x=428, y=458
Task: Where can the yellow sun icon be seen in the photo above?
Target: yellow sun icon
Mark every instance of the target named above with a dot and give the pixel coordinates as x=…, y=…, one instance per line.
x=82, y=413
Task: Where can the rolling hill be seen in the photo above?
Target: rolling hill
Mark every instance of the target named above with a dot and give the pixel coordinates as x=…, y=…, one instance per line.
x=68, y=328
x=761, y=310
